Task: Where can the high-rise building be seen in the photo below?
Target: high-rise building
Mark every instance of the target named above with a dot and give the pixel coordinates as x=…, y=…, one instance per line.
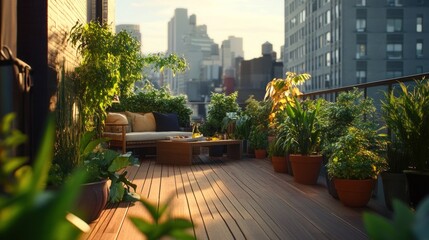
x=102, y=10
x=231, y=49
x=132, y=29
x=187, y=39
x=255, y=74
x=342, y=43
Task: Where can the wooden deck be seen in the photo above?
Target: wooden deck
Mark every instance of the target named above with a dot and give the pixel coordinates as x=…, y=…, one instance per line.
x=234, y=199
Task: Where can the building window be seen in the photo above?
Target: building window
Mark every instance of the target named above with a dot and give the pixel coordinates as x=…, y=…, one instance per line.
x=419, y=48
x=361, y=25
x=360, y=50
x=394, y=3
x=394, y=50
x=419, y=69
x=394, y=25
x=419, y=24
x=328, y=17
x=361, y=3
x=394, y=69
x=328, y=37
x=328, y=59
x=360, y=76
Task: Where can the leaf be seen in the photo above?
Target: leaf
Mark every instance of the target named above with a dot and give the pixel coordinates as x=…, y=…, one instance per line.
x=143, y=225
x=378, y=227
x=118, y=163
x=116, y=192
x=151, y=209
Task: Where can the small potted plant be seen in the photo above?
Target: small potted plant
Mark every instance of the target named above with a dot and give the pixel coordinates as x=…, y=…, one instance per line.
x=302, y=135
x=102, y=164
x=277, y=153
x=259, y=141
x=355, y=163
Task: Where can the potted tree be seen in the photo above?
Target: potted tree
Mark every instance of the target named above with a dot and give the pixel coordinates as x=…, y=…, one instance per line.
x=302, y=135
x=355, y=164
x=407, y=116
x=259, y=141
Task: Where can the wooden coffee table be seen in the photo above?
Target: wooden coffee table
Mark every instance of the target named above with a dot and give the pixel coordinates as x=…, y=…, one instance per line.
x=180, y=153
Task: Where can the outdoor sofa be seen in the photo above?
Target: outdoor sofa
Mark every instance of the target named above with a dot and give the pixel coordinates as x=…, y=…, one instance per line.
x=138, y=130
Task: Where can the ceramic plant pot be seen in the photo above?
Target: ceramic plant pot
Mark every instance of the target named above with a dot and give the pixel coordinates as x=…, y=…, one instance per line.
x=279, y=164
x=91, y=201
x=306, y=168
x=260, y=153
x=354, y=193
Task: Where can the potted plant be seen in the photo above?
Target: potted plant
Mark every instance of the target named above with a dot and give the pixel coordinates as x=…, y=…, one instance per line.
x=102, y=164
x=220, y=104
x=349, y=109
x=302, y=135
x=277, y=153
x=259, y=141
x=355, y=163
x=407, y=116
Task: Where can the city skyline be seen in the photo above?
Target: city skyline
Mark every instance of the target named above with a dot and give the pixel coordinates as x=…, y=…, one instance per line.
x=256, y=22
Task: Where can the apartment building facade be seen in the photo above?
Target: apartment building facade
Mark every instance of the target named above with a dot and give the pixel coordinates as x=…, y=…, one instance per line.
x=342, y=43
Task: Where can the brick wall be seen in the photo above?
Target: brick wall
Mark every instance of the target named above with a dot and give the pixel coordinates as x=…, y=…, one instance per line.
x=62, y=16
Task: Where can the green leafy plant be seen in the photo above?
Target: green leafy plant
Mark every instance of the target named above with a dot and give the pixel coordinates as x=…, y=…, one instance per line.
x=150, y=99
x=277, y=148
x=350, y=109
x=302, y=133
x=405, y=224
x=161, y=223
x=220, y=104
x=101, y=163
x=357, y=155
x=258, y=138
x=407, y=115
x=23, y=198
x=242, y=127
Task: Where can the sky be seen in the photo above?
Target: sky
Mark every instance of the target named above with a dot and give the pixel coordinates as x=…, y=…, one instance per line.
x=256, y=21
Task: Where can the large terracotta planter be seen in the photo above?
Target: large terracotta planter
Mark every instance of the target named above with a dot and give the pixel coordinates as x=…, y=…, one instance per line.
x=91, y=201
x=306, y=168
x=260, y=153
x=354, y=193
x=279, y=164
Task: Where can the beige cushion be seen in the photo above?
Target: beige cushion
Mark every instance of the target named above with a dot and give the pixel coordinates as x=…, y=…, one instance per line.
x=117, y=118
x=144, y=123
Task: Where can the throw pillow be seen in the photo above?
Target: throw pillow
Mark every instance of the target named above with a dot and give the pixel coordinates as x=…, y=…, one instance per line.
x=166, y=122
x=117, y=118
x=144, y=123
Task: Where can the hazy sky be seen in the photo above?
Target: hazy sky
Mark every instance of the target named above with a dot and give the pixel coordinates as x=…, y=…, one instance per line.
x=256, y=21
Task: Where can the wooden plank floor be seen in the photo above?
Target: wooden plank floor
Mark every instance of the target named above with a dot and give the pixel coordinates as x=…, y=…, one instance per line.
x=233, y=199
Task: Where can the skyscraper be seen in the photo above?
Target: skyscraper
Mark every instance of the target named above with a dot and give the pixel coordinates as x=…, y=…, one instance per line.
x=230, y=50
x=132, y=29
x=187, y=39
x=102, y=10
x=343, y=43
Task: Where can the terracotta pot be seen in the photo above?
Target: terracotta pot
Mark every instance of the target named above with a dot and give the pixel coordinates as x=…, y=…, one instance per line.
x=354, y=193
x=306, y=168
x=279, y=164
x=260, y=153
x=91, y=201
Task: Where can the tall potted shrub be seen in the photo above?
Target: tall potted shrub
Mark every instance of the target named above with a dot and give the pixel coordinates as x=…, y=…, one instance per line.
x=355, y=164
x=302, y=135
x=350, y=109
x=407, y=116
